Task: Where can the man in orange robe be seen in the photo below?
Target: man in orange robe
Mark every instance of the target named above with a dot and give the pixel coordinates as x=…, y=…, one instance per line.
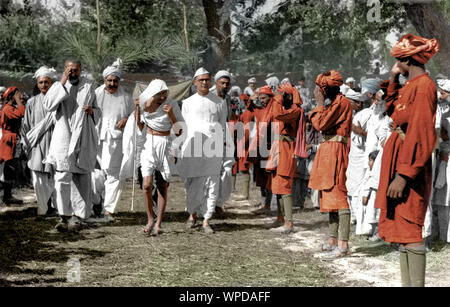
x=263, y=115
x=287, y=120
x=330, y=164
x=12, y=112
x=406, y=174
x=247, y=118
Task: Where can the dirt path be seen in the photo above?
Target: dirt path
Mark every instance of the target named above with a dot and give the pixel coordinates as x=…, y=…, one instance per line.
x=242, y=252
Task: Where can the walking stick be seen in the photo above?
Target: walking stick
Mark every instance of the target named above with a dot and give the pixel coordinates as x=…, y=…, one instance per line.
x=134, y=167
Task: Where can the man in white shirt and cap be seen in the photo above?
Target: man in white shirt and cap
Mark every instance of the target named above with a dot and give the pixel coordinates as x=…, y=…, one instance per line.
x=357, y=159
x=205, y=115
x=74, y=144
x=116, y=106
x=37, y=128
x=222, y=81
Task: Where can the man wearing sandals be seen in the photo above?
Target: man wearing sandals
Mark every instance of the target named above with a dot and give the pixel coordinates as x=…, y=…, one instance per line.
x=201, y=160
x=158, y=119
x=329, y=166
x=406, y=171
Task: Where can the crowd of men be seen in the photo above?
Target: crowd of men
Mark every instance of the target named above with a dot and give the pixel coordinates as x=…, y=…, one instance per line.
x=367, y=155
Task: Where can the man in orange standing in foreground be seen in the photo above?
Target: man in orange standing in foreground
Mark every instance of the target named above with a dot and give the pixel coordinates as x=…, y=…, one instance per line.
x=329, y=166
x=406, y=174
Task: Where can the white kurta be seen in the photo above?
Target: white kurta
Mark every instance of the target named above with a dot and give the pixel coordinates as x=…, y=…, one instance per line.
x=114, y=107
x=202, y=151
x=73, y=147
x=42, y=174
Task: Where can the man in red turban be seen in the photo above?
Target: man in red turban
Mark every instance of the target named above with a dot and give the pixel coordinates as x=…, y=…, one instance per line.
x=330, y=164
x=406, y=172
x=12, y=112
x=288, y=120
x=247, y=118
x=255, y=154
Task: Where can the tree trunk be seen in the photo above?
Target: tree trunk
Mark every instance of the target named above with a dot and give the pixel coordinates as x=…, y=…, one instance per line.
x=218, y=23
x=99, y=30
x=186, y=36
x=429, y=22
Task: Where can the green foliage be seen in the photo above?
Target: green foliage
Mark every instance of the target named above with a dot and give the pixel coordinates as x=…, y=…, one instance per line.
x=313, y=36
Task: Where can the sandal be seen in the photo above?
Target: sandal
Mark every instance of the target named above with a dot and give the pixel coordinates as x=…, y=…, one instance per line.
x=336, y=254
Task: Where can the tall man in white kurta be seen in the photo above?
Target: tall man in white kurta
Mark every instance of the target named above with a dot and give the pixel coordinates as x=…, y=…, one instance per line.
x=116, y=106
x=74, y=143
x=37, y=129
x=202, y=152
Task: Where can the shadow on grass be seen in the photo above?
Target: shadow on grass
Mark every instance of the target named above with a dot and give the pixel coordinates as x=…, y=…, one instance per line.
x=312, y=226
x=375, y=249
x=30, y=239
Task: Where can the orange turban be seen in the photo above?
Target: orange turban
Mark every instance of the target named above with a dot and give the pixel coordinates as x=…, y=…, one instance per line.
x=419, y=48
x=244, y=97
x=330, y=78
x=289, y=89
x=9, y=90
x=266, y=90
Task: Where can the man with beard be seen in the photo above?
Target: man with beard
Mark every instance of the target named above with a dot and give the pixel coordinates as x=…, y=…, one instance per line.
x=73, y=148
x=205, y=115
x=406, y=171
x=116, y=106
x=38, y=143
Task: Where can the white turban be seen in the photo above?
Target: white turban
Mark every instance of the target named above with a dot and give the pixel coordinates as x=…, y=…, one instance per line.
x=350, y=79
x=252, y=80
x=444, y=84
x=201, y=71
x=115, y=69
x=353, y=95
x=45, y=71
x=273, y=82
x=222, y=74
x=155, y=87
x=285, y=80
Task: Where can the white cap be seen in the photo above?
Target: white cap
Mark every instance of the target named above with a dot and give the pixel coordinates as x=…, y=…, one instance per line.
x=222, y=74
x=252, y=80
x=2, y=89
x=201, y=71
x=285, y=80
x=350, y=79
x=155, y=87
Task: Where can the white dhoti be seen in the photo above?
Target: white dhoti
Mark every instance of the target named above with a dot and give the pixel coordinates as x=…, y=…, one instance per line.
x=201, y=195
x=111, y=163
x=44, y=186
x=155, y=156
x=73, y=194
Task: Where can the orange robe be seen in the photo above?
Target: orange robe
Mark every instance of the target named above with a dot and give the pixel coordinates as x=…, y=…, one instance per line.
x=331, y=161
x=262, y=116
x=234, y=119
x=413, y=108
x=282, y=163
x=10, y=121
x=246, y=118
